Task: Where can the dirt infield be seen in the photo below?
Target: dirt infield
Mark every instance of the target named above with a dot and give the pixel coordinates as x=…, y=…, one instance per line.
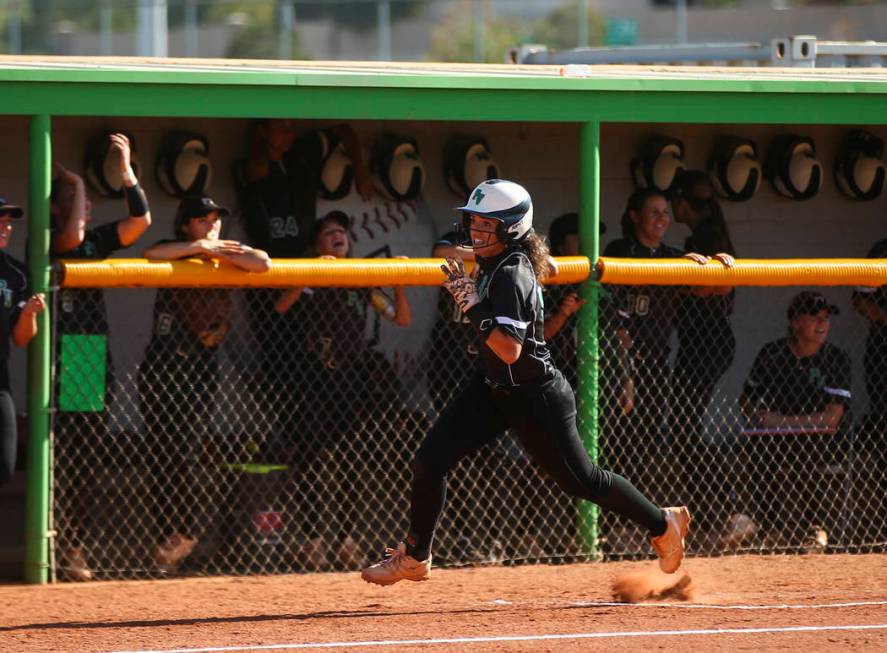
x=745, y=603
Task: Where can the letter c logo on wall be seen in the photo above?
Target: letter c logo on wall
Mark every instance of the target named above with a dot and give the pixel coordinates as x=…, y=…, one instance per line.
x=791, y=167
x=101, y=165
x=734, y=169
x=859, y=170
x=182, y=166
x=658, y=162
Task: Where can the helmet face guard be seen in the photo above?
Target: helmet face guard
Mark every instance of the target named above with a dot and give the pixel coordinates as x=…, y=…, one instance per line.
x=397, y=167
x=183, y=166
x=792, y=168
x=734, y=169
x=504, y=201
x=467, y=163
x=658, y=163
x=859, y=171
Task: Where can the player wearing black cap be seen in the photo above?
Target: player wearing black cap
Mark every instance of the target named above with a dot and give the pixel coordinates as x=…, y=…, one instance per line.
x=18, y=322
x=797, y=400
x=515, y=385
x=178, y=377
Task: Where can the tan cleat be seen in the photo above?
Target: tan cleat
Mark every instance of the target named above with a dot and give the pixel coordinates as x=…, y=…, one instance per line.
x=670, y=545
x=397, y=566
x=174, y=549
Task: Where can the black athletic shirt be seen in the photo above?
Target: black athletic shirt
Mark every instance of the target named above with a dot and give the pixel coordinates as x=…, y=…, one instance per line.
x=877, y=295
x=330, y=324
x=647, y=312
x=189, y=320
x=507, y=282
x=14, y=292
x=279, y=209
x=82, y=310
x=708, y=239
x=786, y=384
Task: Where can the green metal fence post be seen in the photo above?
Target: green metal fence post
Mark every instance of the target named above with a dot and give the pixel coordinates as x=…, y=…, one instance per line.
x=589, y=219
x=37, y=535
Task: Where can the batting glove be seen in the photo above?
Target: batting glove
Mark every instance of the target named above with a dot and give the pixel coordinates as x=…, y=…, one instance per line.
x=462, y=287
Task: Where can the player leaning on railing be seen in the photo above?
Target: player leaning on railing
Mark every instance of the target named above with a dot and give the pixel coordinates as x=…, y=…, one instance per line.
x=515, y=385
x=180, y=370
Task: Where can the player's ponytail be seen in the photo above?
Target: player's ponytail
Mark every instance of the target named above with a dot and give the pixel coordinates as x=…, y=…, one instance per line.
x=537, y=251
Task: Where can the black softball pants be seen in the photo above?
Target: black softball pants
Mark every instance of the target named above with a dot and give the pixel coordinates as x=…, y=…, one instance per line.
x=543, y=415
x=8, y=434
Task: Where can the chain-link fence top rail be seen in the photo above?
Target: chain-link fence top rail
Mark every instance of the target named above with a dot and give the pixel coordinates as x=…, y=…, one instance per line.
x=233, y=438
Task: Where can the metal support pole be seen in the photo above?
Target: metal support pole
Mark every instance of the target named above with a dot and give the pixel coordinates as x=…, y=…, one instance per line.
x=383, y=14
x=14, y=28
x=587, y=395
x=192, y=38
x=106, y=28
x=286, y=17
x=582, y=37
x=37, y=533
x=152, y=28
x=480, y=31
x=681, y=17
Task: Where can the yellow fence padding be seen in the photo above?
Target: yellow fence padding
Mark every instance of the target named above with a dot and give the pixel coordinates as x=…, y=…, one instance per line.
x=284, y=273
x=746, y=272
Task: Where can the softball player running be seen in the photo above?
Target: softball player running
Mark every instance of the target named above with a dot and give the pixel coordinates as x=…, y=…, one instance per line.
x=515, y=385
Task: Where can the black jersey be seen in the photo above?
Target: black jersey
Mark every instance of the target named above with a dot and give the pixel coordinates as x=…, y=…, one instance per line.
x=784, y=383
x=330, y=323
x=507, y=282
x=188, y=320
x=877, y=295
x=278, y=211
x=646, y=312
x=14, y=292
x=82, y=310
x=709, y=239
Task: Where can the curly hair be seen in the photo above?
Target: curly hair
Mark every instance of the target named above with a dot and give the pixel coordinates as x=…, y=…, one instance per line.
x=535, y=248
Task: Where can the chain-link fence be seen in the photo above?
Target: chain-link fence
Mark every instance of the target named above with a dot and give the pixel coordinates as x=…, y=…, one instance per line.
x=246, y=436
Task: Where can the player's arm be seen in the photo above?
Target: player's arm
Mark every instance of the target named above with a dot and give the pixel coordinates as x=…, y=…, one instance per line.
x=287, y=299
x=867, y=307
x=26, y=324
x=829, y=418
x=569, y=305
x=130, y=229
x=74, y=230
x=249, y=258
x=362, y=179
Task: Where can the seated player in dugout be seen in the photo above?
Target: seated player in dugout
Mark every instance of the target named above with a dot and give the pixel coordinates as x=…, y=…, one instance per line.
x=80, y=424
x=178, y=376
x=344, y=384
x=797, y=401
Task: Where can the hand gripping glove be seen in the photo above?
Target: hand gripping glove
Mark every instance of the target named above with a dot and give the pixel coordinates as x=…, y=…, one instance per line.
x=464, y=291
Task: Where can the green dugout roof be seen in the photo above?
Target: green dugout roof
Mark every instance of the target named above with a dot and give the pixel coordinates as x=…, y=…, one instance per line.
x=403, y=91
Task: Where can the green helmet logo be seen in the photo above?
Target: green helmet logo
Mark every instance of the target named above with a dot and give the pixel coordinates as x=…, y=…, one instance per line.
x=478, y=196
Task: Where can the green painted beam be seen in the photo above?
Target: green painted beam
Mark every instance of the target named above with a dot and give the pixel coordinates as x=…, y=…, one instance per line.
x=181, y=100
